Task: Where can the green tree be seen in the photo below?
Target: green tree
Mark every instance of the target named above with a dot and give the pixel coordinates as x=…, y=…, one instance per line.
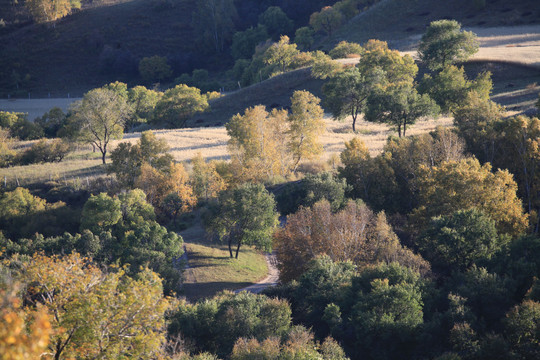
x=178, y=104
x=399, y=105
x=522, y=325
x=327, y=20
x=244, y=42
x=143, y=101
x=100, y=213
x=387, y=311
x=475, y=120
x=154, y=68
x=99, y=118
x=206, y=181
x=459, y=240
x=213, y=21
x=217, y=323
x=346, y=93
x=305, y=126
x=303, y=37
x=52, y=121
x=346, y=49
x=51, y=10
x=281, y=55
x=444, y=43
x=450, y=86
x=276, y=22
x=244, y=216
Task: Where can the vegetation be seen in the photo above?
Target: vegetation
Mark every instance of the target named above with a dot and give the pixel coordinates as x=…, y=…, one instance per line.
x=426, y=250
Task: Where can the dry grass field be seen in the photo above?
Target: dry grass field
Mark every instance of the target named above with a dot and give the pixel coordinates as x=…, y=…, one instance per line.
x=211, y=142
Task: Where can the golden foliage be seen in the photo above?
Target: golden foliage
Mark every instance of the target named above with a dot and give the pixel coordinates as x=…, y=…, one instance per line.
x=24, y=333
x=465, y=184
x=206, y=181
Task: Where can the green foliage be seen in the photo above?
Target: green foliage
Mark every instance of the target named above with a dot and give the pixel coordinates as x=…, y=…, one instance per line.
x=398, y=106
x=216, y=324
x=450, y=86
x=245, y=215
x=310, y=190
x=387, y=311
x=129, y=234
x=178, y=104
x=99, y=118
x=280, y=55
x=52, y=121
x=127, y=159
x=19, y=126
x=23, y=215
x=100, y=213
x=244, y=42
x=444, y=43
x=276, y=22
x=304, y=38
x=346, y=49
x=346, y=94
x=7, y=154
x=475, y=120
x=457, y=241
x=522, y=326
x=326, y=20
x=143, y=101
x=154, y=69
x=45, y=151
x=214, y=24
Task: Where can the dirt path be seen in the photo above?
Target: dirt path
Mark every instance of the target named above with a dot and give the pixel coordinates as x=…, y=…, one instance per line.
x=271, y=280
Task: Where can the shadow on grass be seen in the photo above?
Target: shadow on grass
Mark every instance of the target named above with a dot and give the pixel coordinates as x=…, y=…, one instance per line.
x=196, y=291
x=88, y=172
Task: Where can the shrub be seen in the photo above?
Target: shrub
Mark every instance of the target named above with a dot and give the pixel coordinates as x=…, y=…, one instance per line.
x=45, y=151
x=154, y=68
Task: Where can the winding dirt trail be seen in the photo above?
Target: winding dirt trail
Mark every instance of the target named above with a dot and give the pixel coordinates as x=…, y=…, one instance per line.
x=271, y=280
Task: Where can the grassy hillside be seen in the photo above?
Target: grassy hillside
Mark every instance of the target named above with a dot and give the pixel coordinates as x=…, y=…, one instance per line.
x=396, y=20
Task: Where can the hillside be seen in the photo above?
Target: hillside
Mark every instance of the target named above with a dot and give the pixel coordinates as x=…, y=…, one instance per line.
x=395, y=21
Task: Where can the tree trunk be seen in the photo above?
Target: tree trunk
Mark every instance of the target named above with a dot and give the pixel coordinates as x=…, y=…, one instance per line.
x=230, y=247
x=354, y=123
x=103, y=154
x=238, y=248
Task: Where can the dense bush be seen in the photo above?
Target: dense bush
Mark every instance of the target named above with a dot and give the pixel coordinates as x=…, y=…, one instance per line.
x=45, y=151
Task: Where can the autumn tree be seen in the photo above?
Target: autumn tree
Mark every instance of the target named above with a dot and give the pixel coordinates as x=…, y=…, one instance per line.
x=96, y=314
x=305, y=126
x=7, y=154
x=244, y=216
x=157, y=184
x=154, y=68
x=353, y=234
x=24, y=333
x=256, y=144
x=213, y=21
x=465, y=184
x=205, y=180
x=51, y=10
x=99, y=118
x=178, y=104
x=444, y=43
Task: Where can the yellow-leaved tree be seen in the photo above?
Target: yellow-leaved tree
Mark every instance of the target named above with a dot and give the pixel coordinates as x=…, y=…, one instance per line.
x=465, y=184
x=51, y=10
x=96, y=314
x=256, y=144
x=305, y=126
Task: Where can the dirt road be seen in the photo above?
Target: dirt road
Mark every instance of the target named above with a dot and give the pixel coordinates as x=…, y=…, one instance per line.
x=271, y=280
